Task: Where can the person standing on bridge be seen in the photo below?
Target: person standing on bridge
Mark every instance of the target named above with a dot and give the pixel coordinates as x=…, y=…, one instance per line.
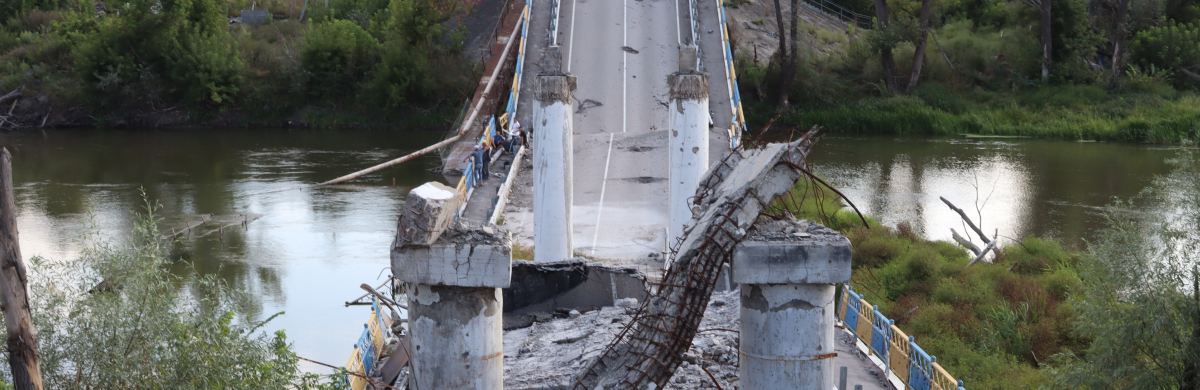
x=487, y=158
x=477, y=168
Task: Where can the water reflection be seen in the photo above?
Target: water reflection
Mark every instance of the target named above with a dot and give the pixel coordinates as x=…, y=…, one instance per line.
x=1051, y=189
x=306, y=254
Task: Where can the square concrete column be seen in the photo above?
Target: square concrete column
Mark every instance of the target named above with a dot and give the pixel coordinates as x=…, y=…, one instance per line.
x=454, y=299
x=787, y=271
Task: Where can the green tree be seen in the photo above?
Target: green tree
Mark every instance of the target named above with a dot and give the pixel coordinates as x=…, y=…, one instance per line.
x=1172, y=46
x=337, y=54
x=116, y=318
x=1137, y=302
x=166, y=51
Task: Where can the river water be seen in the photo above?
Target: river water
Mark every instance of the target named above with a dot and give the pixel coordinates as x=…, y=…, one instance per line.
x=1049, y=189
x=312, y=247
x=306, y=255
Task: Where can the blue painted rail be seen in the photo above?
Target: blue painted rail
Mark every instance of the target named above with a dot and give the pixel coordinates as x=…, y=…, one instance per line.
x=899, y=351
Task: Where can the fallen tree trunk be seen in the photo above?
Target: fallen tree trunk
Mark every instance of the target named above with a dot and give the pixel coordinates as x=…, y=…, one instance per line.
x=731, y=197
x=965, y=242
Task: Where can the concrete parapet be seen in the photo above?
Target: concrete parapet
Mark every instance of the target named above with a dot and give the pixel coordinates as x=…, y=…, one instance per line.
x=784, y=252
x=467, y=255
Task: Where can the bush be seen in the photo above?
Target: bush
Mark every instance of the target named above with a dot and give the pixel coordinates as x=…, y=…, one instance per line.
x=175, y=52
x=116, y=318
x=337, y=54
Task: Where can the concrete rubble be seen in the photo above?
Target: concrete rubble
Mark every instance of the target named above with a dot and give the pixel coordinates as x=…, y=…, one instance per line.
x=549, y=355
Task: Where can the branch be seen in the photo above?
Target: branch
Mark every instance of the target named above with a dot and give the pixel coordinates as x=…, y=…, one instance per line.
x=16, y=93
x=989, y=247
x=967, y=219
x=965, y=242
x=1181, y=69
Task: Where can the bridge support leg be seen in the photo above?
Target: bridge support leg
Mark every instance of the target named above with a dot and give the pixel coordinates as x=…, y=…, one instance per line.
x=787, y=272
x=689, y=137
x=552, y=162
x=454, y=297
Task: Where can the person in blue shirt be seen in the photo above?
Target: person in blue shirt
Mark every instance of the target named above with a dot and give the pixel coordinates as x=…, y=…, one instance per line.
x=498, y=140
x=479, y=166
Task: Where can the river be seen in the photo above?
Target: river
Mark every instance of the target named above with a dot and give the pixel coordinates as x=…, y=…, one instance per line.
x=312, y=247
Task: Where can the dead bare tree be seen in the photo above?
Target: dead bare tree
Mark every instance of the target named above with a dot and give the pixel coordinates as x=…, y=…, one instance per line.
x=1044, y=6
x=990, y=243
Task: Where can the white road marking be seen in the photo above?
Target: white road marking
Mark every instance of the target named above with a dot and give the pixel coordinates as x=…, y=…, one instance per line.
x=624, y=66
x=678, y=39
x=603, y=183
x=571, y=41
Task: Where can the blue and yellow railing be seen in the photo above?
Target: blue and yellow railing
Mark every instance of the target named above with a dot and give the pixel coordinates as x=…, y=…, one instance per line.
x=898, y=351
x=368, y=348
x=466, y=185
x=739, y=118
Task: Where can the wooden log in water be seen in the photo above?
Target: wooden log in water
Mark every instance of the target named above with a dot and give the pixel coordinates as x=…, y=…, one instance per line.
x=14, y=292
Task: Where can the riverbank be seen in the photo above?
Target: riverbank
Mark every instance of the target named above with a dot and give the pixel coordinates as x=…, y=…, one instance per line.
x=342, y=65
x=972, y=79
x=1064, y=113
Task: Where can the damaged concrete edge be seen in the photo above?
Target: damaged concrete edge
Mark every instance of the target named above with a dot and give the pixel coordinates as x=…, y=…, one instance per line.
x=541, y=290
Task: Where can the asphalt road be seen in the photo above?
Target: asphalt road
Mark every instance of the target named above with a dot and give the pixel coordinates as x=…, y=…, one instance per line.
x=622, y=51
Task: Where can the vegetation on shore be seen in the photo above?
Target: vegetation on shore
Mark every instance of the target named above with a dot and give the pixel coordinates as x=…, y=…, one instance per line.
x=117, y=318
x=150, y=62
x=1123, y=314
x=987, y=73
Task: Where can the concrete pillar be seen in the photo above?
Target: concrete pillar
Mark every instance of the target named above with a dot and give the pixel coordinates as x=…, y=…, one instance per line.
x=787, y=272
x=688, y=113
x=552, y=161
x=455, y=306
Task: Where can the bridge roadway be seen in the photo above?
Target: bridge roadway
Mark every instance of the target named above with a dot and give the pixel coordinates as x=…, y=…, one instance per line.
x=621, y=52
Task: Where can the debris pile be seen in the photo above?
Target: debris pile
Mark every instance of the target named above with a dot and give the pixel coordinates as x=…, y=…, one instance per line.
x=548, y=355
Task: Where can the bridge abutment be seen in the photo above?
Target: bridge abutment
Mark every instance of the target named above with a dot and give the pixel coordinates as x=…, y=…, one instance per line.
x=787, y=272
x=552, y=161
x=689, y=120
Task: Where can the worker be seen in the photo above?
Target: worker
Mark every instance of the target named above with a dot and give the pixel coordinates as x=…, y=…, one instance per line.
x=477, y=168
x=487, y=158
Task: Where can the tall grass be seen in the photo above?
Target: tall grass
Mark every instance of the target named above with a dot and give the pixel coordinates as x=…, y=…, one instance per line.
x=1069, y=115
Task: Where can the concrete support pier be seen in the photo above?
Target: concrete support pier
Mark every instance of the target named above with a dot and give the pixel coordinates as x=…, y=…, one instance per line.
x=552, y=161
x=455, y=303
x=689, y=137
x=787, y=271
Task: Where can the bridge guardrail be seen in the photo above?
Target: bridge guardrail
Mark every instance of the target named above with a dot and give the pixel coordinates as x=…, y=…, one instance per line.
x=898, y=352
x=739, y=119
x=367, y=350
x=466, y=185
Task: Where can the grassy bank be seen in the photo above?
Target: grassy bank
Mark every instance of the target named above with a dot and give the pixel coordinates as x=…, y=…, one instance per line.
x=1066, y=112
x=994, y=325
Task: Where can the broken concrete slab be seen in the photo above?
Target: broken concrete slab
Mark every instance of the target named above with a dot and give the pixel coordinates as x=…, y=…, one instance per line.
x=428, y=211
x=792, y=252
x=466, y=255
x=562, y=286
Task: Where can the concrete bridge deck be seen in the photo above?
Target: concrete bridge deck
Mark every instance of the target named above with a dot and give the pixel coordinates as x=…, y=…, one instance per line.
x=621, y=52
